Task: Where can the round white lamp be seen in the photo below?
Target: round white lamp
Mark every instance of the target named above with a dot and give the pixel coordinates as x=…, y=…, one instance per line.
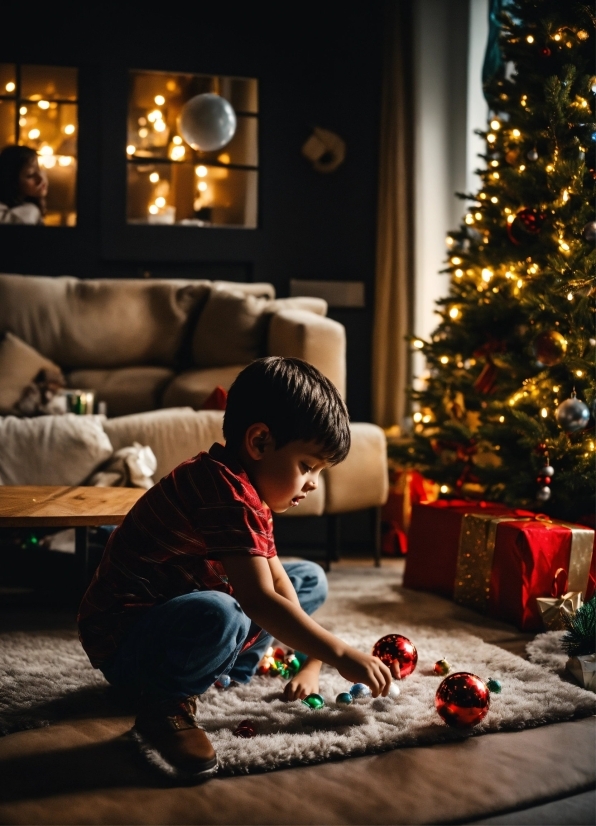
x=207, y=122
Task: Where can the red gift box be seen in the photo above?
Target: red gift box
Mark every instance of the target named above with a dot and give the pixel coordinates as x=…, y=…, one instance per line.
x=407, y=488
x=495, y=559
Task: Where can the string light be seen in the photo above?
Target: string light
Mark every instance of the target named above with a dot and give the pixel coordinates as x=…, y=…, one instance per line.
x=469, y=219
x=501, y=419
x=143, y=132
x=177, y=153
x=564, y=246
x=69, y=129
x=23, y=110
x=201, y=171
x=444, y=360
x=530, y=39
x=449, y=241
x=130, y=149
x=549, y=167
x=34, y=134
x=160, y=202
x=557, y=36
x=487, y=274
x=159, y=100
x=491, y=138
x=495, y=124
x=456, y=260
x=582, y=34
x=418, y=344
x=569, y=296
x=154, y=115
x=579, y=373
x=454, y=312
x=202, y=186
x=544, y=412
x=43, y=104
x=556, y=389
x=426, y=419
x=159, y=126
x=478, y=216
x=10, y=86
x=522, y=167
x=496, y=176
x=459, y=273
x=444, y=488
x=494, y=200
x=177, y=140
x=520, y=283
x=154, y=177
x=565, y=196
x=417, y=416
x=153, y=209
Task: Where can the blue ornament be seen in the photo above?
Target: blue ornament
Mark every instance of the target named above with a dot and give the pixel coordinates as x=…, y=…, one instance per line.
x=359, y=691
x=344, y=699
x=494, y=686
x=224, y=681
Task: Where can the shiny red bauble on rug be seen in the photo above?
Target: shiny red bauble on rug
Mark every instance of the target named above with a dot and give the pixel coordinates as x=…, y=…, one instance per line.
x=398, y=653
x=462, y=700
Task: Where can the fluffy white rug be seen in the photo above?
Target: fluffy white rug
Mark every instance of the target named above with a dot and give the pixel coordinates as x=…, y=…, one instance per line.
x=46, y=676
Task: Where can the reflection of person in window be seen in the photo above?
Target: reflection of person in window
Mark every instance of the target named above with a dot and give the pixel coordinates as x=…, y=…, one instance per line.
x=23, y=187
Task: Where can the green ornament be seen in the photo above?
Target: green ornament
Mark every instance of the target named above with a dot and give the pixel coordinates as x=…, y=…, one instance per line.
x=494, y=686
x=314, y=701
x=302, y=658
x=293, y=663
x=281, y=669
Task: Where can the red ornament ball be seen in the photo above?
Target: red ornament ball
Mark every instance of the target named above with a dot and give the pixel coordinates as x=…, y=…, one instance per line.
x=398, y=653
x=246, y=729
x=527, y=223
x=546, y=51
x=462, y=700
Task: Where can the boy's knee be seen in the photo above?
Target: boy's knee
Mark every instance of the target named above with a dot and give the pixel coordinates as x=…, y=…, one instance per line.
x=221, y=615
x=309, y=580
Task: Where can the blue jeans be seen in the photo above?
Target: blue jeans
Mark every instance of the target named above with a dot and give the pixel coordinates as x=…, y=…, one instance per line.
x=179, y=648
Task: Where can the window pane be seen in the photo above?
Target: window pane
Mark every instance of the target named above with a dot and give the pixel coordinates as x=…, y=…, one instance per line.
x=51, y=131
x=48, y=83
x=165, y=193
x=7, y=123
x=8, y=78
x=61, y=200
x=241, y=92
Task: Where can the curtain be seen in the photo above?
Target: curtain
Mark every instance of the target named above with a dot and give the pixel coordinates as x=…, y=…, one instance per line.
x=394, y=258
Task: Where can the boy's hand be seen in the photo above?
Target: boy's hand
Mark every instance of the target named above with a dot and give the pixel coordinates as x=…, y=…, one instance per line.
x=364, y=668
x=304, y=683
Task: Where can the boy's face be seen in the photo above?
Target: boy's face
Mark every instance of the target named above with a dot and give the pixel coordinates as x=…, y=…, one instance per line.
x=284, y=477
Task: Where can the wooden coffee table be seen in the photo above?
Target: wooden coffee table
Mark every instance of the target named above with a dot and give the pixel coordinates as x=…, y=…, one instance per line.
x=65, y=507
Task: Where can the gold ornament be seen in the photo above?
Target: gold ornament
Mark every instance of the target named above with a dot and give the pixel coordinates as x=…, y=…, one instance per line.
x=549, y=347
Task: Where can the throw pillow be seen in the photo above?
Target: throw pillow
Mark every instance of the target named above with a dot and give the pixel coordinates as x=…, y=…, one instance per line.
x=51, y=450
x=19, y=365
x=231, y=330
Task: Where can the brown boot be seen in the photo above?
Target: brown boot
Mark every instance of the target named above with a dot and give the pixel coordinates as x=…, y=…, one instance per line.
x=172, y=740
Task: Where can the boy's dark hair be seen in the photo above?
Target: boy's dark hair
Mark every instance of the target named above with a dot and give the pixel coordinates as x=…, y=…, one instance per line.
x=296, y=402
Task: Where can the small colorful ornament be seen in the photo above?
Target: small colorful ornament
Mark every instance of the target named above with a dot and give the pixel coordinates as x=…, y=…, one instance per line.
x=302, y=658
x=359, y=691
x=527, y=223
x=280, y=669
x=462, y=700
x=398, y=653
x=589, y=232
x=344, y=699
x=394, y=691
x=314, y=701
x=278, y=654
x=572, y=414
x=293, y=664
x=246, y=729
x=441, y=668
x=494, y=686
x=532, y=155
x=549, y=347
x=224, y=681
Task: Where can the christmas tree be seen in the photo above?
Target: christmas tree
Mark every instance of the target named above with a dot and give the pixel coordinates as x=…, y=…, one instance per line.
x=507, y=410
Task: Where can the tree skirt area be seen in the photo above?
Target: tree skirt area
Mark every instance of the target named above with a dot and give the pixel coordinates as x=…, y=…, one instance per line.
x=45, y=677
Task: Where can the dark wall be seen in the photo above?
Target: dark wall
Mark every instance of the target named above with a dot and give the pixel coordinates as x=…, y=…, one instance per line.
x=316, y=65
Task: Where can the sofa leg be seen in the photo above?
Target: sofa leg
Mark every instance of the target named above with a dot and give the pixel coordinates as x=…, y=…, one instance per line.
x=333, y=540
x=376, y=526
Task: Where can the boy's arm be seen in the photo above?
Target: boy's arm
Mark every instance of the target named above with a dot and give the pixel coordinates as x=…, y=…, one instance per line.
x=281, y=581
x=253, y=585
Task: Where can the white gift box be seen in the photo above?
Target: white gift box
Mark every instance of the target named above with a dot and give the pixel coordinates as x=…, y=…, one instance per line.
x=583, y=670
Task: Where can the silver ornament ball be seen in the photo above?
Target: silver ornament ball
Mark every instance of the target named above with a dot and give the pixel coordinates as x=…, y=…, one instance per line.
x=589, y=232
x=543, y=494
x=572, y=415
x=547, y=471
x=532, y=155
x=207, y=122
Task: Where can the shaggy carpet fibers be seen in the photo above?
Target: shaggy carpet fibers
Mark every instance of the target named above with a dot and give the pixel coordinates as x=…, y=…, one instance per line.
x=46, y=677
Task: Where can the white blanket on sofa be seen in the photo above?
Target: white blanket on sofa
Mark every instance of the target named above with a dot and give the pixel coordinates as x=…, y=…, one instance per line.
x=51, y=450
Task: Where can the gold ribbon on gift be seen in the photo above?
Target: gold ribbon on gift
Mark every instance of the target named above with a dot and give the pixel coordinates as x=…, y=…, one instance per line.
x=553, y=609
x=477, y=541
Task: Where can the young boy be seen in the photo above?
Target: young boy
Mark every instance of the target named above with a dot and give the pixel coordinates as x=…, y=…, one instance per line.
x=190, y=586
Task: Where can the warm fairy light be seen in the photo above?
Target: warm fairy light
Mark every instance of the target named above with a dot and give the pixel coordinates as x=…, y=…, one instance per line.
x=418, y=344
x=143, y=132
x=530, y=38
x=177, y=140
x=201, y=171
x=449, y=241
x=64, y=160
x=564, y=246
x=34, y=134
x=444, y=488
x=417, y=416
x=591, y=445
x=10, y=86
x=154, y=115
x=516, y=133
x=478, y=216
x=549, y=167
x=43, y=104
x=556, y=389
x=453, y=312
x=426, y=419
x=202, y=186
x=522, y=167
x=579, y=373
x=23, y=110
x=130, y=149
x=510, y=219
x=495, y=124
x=49, y=161
x=159, y=100
x=69, y=129
x=491, y=138
x=508, y=274
x=544, y=412
x=153, y=209
x=496, y=176
x=565, y=196
x=520, y=283
x=533, y=269
x=154, y=177
x=224, y=158
x=482, y=195
x=159, y=126
x=177, y=153
x=487, y=274
x=569, y=296
x=582, y=34
x=557, y=36
x=46, y=150
x=444, y=360
x=160, y=202
x=459, y=273
x=501, y=419
x=507, y=211
x=494, y=200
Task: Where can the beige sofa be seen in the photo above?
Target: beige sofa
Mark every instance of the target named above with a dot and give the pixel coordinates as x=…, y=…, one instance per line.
x=155, y=350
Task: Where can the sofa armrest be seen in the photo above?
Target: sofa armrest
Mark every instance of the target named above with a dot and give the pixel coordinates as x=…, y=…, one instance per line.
x=314, y=338
x=362, y=480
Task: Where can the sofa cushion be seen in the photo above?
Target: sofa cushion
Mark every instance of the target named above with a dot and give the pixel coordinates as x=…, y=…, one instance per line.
x=100, y=322
x=126, y=390
x=19, y=364
x=193, y=387
x=51, y=450
x=174, y=435
x=232, y=328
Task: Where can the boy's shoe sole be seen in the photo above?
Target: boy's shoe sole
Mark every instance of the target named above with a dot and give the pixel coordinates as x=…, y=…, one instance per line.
x=159, y=762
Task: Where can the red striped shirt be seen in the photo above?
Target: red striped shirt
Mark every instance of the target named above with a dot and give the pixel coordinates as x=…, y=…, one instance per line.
x=170, y=544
